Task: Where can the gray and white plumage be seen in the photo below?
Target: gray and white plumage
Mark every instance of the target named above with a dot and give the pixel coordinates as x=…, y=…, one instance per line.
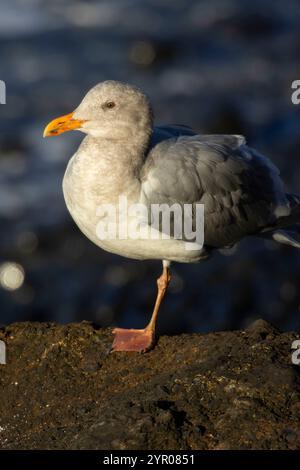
x=241, y=190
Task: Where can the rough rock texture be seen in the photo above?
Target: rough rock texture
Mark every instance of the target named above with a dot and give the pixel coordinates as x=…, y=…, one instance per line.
x=62, y=389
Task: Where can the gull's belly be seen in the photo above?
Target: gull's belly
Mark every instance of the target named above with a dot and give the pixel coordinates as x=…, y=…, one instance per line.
x=134, y=244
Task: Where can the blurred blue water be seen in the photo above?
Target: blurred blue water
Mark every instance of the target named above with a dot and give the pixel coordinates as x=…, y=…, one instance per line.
x=219, y=66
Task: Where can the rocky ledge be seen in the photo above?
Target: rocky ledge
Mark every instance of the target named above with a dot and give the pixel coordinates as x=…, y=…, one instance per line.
x=61, y=388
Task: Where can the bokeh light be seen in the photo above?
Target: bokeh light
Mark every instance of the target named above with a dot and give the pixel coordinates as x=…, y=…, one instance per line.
x=12, y=276
x=142, y=53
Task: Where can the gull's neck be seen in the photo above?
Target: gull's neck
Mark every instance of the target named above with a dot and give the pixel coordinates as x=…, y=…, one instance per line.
x=108, y=168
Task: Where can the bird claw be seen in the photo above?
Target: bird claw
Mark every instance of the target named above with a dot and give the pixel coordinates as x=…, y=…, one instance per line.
x=133, y=340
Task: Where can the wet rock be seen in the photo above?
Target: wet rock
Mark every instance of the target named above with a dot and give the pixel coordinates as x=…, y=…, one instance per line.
x=62, y=389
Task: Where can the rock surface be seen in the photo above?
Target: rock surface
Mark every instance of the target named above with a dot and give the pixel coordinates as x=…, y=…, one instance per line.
x=62, y=389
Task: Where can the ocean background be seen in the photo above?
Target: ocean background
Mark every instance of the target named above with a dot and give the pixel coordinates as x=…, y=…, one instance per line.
x=218, y=66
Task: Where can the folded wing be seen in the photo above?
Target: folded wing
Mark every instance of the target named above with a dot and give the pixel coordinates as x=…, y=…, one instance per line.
x=241, y=190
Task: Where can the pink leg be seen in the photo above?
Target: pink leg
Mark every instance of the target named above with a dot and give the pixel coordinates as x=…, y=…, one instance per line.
x=142, y=340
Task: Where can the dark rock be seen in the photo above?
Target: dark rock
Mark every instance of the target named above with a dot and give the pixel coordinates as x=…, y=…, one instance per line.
x=61, y=389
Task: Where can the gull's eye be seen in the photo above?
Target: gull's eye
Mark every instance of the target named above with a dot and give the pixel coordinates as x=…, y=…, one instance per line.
x=109, y=105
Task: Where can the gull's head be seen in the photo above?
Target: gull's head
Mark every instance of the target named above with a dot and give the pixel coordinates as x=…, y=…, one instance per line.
x=110, y=110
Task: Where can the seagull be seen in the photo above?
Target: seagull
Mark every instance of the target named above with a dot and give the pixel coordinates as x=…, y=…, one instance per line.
x=124, y=155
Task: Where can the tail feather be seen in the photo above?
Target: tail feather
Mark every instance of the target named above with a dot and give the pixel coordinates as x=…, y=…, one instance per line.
x=294, y=216
x=287, y=237
x=287, y=228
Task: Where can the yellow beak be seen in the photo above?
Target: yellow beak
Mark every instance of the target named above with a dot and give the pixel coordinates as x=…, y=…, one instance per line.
x=62, y=124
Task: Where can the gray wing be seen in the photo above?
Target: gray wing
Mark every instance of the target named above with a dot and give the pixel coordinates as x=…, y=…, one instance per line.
x=241, y=190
